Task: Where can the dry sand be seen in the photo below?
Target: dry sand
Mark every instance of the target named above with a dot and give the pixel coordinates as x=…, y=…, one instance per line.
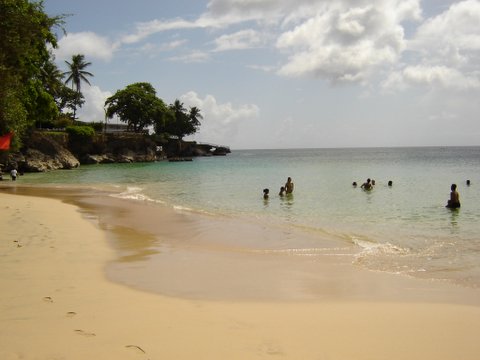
x=56, y=303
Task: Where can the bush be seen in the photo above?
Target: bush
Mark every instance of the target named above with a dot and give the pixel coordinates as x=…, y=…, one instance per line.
x=80, y=139
x=80, y=132
x=97, y=126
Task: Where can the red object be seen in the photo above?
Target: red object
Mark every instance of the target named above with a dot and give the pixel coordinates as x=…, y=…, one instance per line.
x=5, y=141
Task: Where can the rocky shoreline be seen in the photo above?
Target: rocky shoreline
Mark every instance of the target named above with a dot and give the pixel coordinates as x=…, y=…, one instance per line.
x=46, y=151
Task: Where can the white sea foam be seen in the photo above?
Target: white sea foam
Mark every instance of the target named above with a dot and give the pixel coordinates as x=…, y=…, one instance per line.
x=307, y=252
x=180, y=208
x=374, y=248
x=133, y=193
x=186, y=209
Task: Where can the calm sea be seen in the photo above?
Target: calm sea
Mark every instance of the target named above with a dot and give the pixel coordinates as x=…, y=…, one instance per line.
x=404, y=228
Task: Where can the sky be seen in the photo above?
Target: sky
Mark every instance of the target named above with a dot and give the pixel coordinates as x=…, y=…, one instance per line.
x=269, y=74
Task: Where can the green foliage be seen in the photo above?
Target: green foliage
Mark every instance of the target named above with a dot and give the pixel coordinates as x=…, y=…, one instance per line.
x=137, y=105
x=62, y=121
x=76, y=75
x=39, y=104
x=14, y=116
x=82, y=132
x=182, y=123
x=80, y=139
x=65, y=97
x=25, y=32
x=97, y=126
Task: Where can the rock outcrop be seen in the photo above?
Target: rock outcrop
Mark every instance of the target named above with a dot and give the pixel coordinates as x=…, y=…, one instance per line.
x=42, y=153
x=45, y=151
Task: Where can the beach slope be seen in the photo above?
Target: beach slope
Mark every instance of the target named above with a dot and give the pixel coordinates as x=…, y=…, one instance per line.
x=56, y=303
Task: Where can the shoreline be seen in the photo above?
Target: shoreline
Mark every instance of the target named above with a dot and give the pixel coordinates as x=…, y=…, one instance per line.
x=58, y=303
x=200, y=257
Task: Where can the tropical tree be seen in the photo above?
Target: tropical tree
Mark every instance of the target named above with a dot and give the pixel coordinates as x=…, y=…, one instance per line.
x=65, y=97
x=184, y=122
x=137, y=105
x=193, y=119
x=26, y=35
x=52, y=77
x=76, y=75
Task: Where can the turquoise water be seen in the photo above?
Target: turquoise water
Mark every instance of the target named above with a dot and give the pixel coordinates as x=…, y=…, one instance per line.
x=404, y=228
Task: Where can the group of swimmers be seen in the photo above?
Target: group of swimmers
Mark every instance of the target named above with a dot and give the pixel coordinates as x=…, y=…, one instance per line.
x=284, y=190
x=369, y=184
x=453, y=202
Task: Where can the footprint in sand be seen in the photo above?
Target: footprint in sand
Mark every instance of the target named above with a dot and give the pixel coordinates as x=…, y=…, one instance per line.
x=85, y=333
x=71, y=314
x=138, y=349
x=48, y=299
x=271, y=350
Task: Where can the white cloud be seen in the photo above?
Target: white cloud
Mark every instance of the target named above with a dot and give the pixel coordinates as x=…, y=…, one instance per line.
x=438, y=76
x=455, y=32
x=151, y=49
x=89, y=44
x=345, y=42
x=244, y=39
x=340, y=41
x=220, y=121
x=192, y=57
x=446, y=49
x=144, y=30
x=93, y=109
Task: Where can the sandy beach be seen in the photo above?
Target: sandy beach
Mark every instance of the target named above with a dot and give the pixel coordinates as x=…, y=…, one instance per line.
x=58, y=301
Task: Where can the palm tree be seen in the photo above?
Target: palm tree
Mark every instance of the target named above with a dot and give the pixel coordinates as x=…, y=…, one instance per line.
x=194, y=115
x=77, y=74
x=52, y=77
x=179, y=115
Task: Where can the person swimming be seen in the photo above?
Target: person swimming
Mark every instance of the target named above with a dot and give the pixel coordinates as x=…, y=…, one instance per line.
x=265, y=193
x=282, y=191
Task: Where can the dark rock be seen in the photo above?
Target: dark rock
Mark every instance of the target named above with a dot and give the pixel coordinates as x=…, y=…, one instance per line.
x=43, y=154
x=44, y=151
x=97, y=159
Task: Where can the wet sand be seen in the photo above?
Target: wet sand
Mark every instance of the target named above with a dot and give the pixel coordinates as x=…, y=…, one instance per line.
x=76, y=285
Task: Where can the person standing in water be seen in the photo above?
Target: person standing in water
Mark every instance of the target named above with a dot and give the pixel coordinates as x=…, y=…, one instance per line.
x=454, y=202
x=367, y=185
x=289, y=186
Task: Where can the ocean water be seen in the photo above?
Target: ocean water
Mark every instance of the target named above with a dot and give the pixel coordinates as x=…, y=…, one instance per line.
x=402, y=229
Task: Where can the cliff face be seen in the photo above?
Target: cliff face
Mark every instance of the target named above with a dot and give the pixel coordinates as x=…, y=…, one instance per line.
x=44, y=151
x=109, y=148
x=51, y=151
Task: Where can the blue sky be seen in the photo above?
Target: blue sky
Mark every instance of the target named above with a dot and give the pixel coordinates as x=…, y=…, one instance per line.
x=290, y=73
